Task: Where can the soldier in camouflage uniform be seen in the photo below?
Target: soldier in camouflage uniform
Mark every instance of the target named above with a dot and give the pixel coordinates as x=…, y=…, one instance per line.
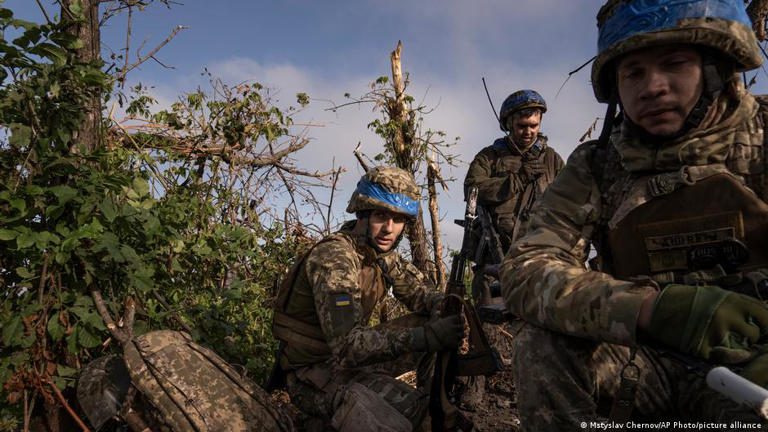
x=340, y=368
x=511, y=174
x=671, y=197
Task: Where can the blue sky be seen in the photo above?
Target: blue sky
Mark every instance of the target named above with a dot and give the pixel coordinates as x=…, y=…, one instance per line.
x=327, y=48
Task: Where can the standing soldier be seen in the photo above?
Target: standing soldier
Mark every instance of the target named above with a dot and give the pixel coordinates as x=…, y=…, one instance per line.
x=672, y=197
x=510, y=175
x=337, y=366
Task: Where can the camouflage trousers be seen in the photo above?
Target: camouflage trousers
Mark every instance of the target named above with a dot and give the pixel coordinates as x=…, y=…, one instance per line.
x=564, y=383
x=318, y=390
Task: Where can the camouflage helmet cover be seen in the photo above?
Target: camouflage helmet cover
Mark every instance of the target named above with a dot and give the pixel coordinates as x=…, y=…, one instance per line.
x=517, y=101
x=386, y=188
x=628, y=25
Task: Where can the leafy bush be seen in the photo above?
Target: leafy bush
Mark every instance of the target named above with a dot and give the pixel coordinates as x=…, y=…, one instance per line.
x=171, y=220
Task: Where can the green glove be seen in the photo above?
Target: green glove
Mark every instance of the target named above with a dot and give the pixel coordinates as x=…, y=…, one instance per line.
x=757, y=369
x=708, y=322
x=443, y=334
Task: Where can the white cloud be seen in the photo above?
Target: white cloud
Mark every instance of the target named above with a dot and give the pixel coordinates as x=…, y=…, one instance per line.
x=461, y=105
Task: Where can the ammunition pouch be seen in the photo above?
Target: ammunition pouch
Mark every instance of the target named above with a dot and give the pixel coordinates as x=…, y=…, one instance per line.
x=673, y=225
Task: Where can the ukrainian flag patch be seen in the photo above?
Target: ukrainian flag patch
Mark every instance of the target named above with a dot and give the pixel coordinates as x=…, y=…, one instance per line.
x=342, y=300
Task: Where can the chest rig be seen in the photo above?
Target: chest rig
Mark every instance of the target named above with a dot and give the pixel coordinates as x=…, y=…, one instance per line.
x=664, y=225
x=692, y=220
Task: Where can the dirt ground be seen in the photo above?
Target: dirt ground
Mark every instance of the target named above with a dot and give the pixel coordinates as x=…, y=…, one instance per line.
x=492, y=409
x=496, y=410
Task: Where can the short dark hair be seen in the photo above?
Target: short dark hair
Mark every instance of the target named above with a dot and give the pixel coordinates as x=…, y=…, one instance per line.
x=527, y=112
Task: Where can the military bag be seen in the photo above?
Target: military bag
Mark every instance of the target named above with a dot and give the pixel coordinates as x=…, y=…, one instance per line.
x=196, y=390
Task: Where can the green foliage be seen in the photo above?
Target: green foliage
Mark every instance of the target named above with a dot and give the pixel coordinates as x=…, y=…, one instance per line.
x=144, y=217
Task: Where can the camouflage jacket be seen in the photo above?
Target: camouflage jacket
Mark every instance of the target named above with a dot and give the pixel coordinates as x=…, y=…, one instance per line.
x=337, y=289
x=502, y=190
x=544, y=277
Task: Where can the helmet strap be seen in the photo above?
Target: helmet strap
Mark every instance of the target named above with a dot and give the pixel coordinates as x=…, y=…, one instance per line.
x=608, y=121
x=713, y=85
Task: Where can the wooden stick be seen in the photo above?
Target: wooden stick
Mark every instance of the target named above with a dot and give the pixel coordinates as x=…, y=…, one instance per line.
x=66, y=406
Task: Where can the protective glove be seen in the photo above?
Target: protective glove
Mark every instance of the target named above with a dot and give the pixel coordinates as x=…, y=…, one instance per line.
x=433, y=303
x=756, y=370
x=708, y=322
x=443, y=334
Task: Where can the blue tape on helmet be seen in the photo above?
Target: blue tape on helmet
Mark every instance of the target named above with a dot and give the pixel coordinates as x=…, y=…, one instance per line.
x=402, y=202
x=643, y=16
x=521, y=98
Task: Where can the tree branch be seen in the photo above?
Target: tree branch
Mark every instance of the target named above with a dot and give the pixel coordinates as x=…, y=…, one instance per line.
x=151, y=54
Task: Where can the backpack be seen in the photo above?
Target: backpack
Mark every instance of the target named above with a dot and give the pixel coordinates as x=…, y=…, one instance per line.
x=190, y=388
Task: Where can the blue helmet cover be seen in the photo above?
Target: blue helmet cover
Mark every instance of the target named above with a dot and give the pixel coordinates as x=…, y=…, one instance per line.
x=402, y=202
x=643, y=16
x=520, y=98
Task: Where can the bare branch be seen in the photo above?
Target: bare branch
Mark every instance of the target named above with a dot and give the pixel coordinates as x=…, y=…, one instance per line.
x=151, y=54
x=66, y=406
x=101, y=308
x=127, y=49
x=162, y=64
x=45, y=13
x=359, y=157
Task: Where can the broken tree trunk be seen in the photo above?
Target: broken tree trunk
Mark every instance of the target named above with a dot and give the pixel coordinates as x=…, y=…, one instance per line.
x=434, y=213
x=402, y=147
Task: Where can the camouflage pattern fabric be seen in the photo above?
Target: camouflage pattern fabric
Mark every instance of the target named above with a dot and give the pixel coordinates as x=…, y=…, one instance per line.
x=193, y=389
x=319, y=389
x=394, y=180
x=506, y=193
x=544, y=276
x=587, y=376
x=337, y=289
x=502, y=188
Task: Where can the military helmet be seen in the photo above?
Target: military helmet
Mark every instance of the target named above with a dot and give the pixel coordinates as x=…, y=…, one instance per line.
x=386, y=188
x=517, y=101
x=628, y=25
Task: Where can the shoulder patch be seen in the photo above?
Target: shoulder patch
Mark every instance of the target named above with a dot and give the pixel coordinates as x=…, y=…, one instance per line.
x=342, y=300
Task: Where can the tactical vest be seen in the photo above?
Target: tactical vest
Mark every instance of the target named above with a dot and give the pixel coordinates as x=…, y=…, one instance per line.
x=510, y=218
x=665, y=225
x=295, y=321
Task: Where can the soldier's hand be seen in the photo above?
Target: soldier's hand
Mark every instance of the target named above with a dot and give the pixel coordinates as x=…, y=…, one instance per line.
x=708, y=322
x=756, y=370
x=533, y=169
x=443, y=334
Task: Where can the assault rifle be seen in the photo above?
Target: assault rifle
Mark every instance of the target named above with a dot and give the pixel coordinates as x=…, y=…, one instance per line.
x=475, y=356
x=459, y=263
x=490, y=239
x=490, y=245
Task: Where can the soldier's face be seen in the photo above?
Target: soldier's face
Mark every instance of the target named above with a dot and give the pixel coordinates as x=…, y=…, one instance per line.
x=385, y=227
x=525, y=129
x=659, y=87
